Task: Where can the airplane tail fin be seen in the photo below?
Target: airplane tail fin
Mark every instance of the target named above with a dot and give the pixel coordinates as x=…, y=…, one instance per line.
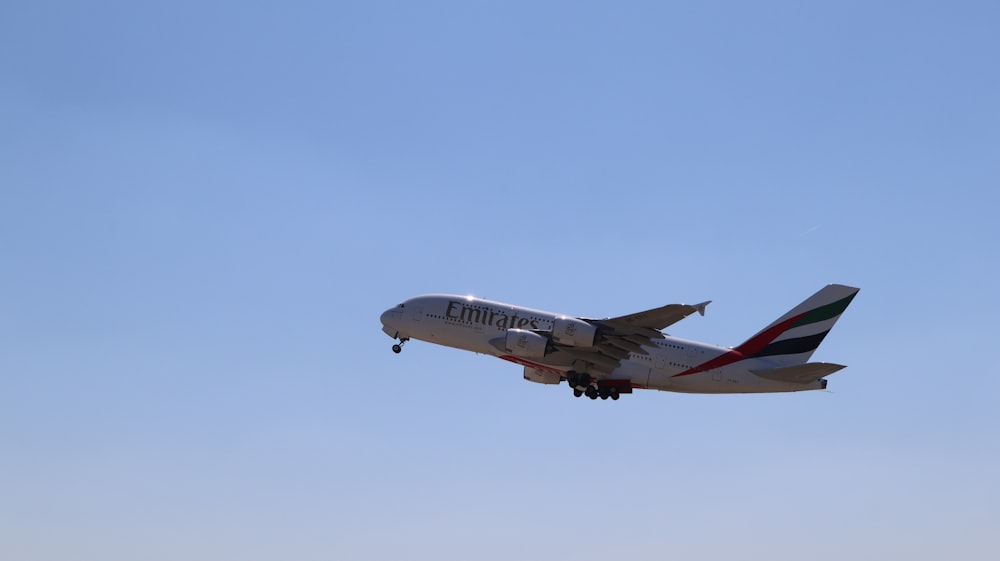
x=793, y=337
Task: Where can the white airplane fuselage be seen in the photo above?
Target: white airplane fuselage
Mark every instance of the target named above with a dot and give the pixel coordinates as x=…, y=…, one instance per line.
x=668, y=363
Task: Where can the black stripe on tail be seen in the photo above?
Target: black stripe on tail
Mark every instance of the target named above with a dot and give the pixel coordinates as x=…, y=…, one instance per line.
x=793, y=346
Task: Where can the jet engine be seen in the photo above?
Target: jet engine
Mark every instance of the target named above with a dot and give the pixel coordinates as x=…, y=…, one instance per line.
x=573, y=332
x=526, y=344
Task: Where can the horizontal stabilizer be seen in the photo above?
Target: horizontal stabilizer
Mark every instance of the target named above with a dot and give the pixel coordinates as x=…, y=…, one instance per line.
x=800, y=373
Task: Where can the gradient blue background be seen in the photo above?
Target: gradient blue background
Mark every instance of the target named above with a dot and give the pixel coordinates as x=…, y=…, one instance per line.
x=206, y=206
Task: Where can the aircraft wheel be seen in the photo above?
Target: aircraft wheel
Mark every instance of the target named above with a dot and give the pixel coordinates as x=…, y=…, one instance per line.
x=603, y=392
x=577, y=393
x=572, y=378
x=613, y=393
x=591, y=392
x=397, y=349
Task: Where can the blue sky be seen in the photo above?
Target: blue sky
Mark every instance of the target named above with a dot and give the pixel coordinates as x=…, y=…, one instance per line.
x=205, y=208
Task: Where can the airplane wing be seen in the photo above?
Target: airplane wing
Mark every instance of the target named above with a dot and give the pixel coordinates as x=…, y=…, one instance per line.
x=622, y=335
x=657, y=318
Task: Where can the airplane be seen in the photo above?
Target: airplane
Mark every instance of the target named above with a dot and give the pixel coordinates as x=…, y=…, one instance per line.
x=609, y=357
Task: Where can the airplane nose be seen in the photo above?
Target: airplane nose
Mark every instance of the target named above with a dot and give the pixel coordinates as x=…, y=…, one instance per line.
x=389, y=321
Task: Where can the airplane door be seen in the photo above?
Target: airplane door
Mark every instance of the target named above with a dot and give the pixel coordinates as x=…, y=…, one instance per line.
x=418, y=313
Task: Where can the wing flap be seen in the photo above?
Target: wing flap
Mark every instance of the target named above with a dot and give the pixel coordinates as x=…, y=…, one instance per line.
x=602, y=361
x=800, y=373
x=626, y=345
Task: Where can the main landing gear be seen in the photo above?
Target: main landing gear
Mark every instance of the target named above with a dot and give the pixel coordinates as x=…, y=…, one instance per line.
x=398, y=348
x=584, y=384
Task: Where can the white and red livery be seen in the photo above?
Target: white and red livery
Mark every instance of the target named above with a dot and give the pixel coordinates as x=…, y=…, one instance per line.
x=608, y=357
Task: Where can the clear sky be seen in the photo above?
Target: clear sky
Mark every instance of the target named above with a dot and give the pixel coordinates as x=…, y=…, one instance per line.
x=206, y=206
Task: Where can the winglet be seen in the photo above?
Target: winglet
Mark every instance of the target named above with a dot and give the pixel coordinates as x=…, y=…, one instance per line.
x=701, y=307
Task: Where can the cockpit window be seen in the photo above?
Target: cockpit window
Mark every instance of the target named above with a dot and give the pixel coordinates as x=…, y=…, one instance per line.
x=400, y=306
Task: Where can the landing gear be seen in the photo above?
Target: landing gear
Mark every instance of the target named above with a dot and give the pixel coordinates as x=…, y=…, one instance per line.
x=578, y=379
x=580, y=382
x=583, y=383
x=398, y=348
x=572, y=378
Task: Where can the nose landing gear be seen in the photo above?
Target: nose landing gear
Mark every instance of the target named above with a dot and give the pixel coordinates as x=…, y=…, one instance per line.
x=398, y=348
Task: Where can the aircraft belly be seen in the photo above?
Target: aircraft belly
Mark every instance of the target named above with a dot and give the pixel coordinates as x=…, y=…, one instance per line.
x=659, y=379
x=459, y=336
x=637, y=373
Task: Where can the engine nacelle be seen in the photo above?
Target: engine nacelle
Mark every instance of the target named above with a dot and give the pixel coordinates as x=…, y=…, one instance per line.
x=573, y=332
x=526, y=344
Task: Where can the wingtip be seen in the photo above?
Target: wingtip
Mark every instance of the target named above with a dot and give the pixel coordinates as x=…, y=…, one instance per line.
x=701, y=307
